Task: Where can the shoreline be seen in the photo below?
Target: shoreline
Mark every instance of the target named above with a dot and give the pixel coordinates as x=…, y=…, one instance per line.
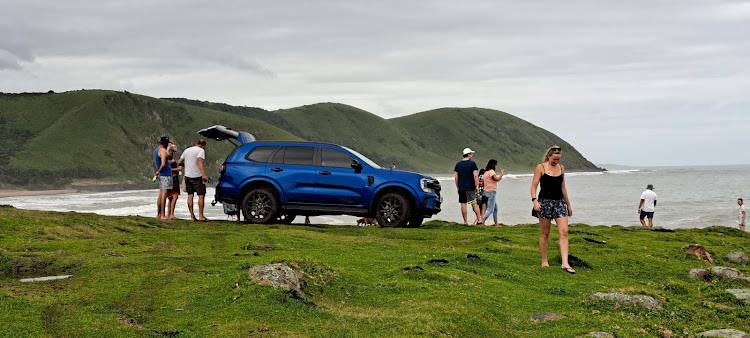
x=20, y=192
x=76, y=188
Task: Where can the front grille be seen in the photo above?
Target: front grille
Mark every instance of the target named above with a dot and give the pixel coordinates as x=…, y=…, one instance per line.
x=434, y=185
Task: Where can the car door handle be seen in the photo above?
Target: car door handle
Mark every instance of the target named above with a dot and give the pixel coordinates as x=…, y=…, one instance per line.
x=325, y=173
x=277, y=169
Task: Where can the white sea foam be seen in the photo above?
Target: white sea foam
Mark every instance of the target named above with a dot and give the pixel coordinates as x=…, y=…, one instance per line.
x=598, y=198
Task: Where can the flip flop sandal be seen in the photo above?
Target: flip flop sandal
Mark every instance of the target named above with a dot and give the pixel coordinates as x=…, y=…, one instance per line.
x=569, y=270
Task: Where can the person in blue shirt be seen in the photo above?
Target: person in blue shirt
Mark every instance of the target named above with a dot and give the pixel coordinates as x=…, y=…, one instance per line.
x=466, y=177
x=164, y=175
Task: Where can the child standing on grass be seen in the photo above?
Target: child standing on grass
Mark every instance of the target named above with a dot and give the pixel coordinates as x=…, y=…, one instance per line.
x=481, y=198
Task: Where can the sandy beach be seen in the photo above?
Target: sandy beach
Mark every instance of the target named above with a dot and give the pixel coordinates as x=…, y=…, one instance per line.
x=20, y=192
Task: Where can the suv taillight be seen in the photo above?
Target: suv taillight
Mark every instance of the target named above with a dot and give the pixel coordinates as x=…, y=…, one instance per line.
x=222, y=168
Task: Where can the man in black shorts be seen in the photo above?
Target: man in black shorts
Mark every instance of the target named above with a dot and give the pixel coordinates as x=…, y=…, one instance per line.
x=195, y=177
x=466, y=177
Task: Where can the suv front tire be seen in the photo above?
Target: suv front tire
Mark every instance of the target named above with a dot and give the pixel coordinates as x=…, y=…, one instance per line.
x=393, y=210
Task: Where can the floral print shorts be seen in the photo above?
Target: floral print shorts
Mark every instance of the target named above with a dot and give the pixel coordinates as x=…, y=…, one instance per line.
x=550, y=209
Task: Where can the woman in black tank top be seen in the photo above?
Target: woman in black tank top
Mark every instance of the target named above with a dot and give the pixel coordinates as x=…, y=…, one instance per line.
x=553, y=203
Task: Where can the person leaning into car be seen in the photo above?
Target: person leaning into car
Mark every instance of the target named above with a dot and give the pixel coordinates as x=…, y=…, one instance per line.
x=195, y=177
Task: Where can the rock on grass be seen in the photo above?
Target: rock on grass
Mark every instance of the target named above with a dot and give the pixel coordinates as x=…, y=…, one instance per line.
x=545, y=316
x=729, y=273
x=598, y=334
x=727, y=333
x=641, y=300
x=699, y=274
x=737, y=257
x=276, y=275
x=700, y=251
x=741, y=294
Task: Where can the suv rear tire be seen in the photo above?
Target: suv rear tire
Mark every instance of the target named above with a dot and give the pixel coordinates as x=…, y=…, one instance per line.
x=259, y=206
x=393, y=210
x=285, y=218
x=415, y=222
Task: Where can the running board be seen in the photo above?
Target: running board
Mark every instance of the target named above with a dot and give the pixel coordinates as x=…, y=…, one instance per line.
x=327, y=210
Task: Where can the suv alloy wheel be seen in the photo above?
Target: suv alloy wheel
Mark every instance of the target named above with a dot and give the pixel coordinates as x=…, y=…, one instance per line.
x=259, y=206
x=393, y=210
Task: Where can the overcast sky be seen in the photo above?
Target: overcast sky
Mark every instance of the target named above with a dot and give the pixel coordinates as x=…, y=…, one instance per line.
x=626, y=82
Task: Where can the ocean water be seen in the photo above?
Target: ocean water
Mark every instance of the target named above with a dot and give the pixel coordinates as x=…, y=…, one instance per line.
x=692, y=197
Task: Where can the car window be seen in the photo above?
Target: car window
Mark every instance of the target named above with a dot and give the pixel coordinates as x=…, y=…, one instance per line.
x=298, y=155
x=279, y=156
x=335, y=158
x=261, y=154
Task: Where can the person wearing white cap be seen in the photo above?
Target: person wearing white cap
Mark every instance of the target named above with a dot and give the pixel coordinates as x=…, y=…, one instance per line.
x=466, y=177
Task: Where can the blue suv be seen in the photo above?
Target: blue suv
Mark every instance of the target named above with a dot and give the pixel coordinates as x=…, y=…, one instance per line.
x=274, y=181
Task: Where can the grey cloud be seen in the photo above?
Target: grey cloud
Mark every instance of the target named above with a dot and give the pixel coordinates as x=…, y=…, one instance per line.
x=8, y=61
x=583, y=69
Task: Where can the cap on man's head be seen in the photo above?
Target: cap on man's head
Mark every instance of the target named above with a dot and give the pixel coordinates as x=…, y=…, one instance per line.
x=468, y=151
x=650, y=186
x=164, y=140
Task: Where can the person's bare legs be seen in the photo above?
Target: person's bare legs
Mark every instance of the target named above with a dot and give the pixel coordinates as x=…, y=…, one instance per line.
x=161, y=204
x=201, y=200
x=190, y=206
x=562, y=229
x=463, y=212
x=742, y=227
x=650, y=222
x=643, y=221
x=475, y=206
x=172, y=205
x=544, y=225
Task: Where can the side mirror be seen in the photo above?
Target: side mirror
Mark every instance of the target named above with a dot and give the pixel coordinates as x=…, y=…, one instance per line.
x=357, y=166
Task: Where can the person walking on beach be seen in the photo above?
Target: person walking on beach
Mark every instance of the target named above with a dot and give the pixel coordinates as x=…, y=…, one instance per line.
x=174, y=193
x=195, y=177
x=467, y=182
x=743, y=213
x=647, y=206
x=553, y=203
x=163, y=174
x=490, y=189
x=481, y=198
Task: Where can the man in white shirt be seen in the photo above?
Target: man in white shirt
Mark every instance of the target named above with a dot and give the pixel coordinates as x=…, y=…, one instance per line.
x=647, y=206
x=195, y=177
x=743, y=213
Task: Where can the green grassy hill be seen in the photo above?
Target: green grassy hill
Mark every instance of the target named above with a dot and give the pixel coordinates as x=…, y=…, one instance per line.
x=51, y=139
x=99, y=136
x=516, y=144
x=367, y=133
x=140, y=277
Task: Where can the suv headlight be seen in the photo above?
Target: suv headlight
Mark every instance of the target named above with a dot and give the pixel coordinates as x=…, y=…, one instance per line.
x=428, y=184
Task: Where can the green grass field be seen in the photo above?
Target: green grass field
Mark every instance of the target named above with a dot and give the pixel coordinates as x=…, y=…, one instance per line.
x=140, y=277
